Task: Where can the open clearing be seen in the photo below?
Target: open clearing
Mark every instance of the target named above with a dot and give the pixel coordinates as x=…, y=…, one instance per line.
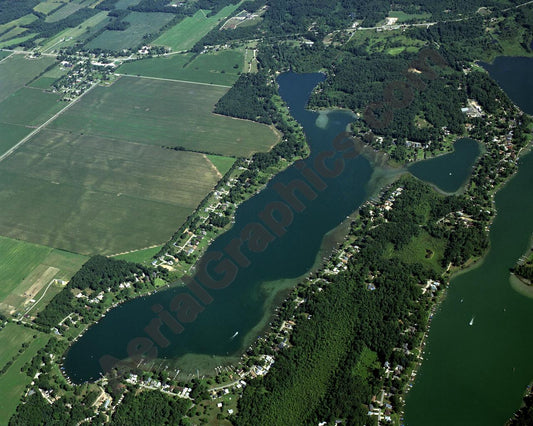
x=11, y=135
x=90, y=195
x=186, y=33
x=17, y=70
x=140, y=24
x=223, y=164
x=13, y=382
x=165, y=113
x=221, y=67
x=140, y=256
x=25, y=268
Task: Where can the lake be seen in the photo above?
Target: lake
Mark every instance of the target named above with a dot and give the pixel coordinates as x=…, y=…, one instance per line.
x=478, y=354
x=239, y=311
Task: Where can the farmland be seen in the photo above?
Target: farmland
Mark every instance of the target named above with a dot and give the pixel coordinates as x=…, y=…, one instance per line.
x=186, y=33
x=213, y=68
x=17, y=70
x=26, y=268
x=156, y=112
x=140, y=24
x=63, y=12
x=70, y=36
x=93, y=195
x=47, y=7
x=14, y=381
x=223, y=164
x=12, y=337
x=29, y=107
x=11, y=134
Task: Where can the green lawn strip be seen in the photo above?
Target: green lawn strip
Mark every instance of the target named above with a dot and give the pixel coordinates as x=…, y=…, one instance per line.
x=140, y=256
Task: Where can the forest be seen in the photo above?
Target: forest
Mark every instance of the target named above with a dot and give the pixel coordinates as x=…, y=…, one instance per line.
x=345, y=332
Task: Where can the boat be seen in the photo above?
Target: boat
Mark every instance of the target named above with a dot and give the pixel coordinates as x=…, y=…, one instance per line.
x=471, y=321
x=235, y=335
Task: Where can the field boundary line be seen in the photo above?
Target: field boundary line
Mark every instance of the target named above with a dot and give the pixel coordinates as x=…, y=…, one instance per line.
x=171, y=79
x=8, y=56
x=38, y=129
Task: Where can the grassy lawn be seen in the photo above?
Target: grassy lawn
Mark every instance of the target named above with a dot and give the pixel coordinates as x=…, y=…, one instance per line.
x=16, y=71
x=13, y=382
x=155, y=112
x=140, y=256
x=12, y=337
x=29, y=107
x=89, y=195
x=186, y=33
x=214, y=68
x=140, y=24
x=223, y=164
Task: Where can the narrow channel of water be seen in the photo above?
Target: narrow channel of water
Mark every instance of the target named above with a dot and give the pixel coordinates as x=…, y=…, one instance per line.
x=478, y=354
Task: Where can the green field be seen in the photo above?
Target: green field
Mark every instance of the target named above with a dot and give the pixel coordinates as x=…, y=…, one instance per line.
x=12, y=33
x=24, y=20
x=140, y=24
x=403, y=17
x=16, y=71
x=12, y=337
x=11, y=134
x=156, y=112
x=70, y=36
x=17, y=260
x=89, y=195
x=16, y=41
x=223, y=164
x=213, y=68
x=64, y=12
x=47, y=6
x=124, y=4
x=4, y=54
x=29, y=106
x=140, y=256
x=13, y=382
x=25, y=269
x=186, y=33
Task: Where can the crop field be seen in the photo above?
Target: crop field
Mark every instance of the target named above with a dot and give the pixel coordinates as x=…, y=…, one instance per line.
x=12, y=33
x=212, y=68
x=124, y=4
x=4, y=54
x=64, y=12
x=29, y=106
x=16, y=71
x=70, y=36
x=16, y=41
x=47, y=6
x=17, y=261
x=11, y=134
x=186, y=33
x=141, y=24
x=90, y=195
x=26, y=269
x=24, y=20
x=12, y=337
x=168, y=113
x=13, y=382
